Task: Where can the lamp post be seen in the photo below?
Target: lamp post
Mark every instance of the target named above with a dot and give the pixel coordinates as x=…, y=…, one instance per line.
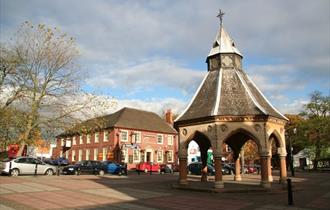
x=291, y=153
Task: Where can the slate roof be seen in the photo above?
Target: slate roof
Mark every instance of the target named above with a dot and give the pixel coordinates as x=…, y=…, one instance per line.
x=227, y=91
x=126, y=118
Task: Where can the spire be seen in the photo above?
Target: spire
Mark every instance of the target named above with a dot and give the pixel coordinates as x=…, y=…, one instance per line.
x=223, y=43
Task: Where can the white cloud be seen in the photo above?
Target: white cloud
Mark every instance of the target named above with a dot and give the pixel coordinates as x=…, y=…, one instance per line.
x=295, y=107
x=151, y=74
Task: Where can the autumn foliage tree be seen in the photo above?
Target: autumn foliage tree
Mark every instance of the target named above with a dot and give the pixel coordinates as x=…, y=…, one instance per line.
x=40, y=79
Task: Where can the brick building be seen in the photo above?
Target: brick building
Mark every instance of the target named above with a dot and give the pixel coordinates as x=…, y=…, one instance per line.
x=128, y=135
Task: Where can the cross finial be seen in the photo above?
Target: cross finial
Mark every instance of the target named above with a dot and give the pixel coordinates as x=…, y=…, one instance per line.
x=220, y=16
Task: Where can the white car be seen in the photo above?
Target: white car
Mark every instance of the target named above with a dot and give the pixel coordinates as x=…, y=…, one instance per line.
x=26, y=165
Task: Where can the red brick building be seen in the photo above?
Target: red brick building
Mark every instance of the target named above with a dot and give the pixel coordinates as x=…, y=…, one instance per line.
x=128, y=135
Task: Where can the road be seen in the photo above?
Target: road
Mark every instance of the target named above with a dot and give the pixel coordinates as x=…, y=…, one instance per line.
x=149, y=192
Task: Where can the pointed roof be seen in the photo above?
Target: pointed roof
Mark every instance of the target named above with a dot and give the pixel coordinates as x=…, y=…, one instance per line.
x=125, y=118
x=227, y=91
x=223, y=43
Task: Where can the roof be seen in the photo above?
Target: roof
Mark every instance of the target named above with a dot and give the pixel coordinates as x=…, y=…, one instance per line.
x=227, y=91
x=223, y=44
x=126, y=118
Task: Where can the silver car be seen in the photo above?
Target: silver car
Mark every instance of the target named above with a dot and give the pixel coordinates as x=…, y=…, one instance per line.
x=26, y=165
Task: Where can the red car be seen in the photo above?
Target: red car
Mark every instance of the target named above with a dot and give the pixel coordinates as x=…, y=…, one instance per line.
x=148, y=167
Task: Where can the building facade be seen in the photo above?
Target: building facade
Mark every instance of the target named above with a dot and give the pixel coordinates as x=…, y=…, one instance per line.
x=128, y=136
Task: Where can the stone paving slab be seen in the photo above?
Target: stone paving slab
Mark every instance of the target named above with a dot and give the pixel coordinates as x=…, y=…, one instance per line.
x=25, y=187
x=126, y=194
x=121, y=206
x=3, y=207
x=195, y=203
x=276, y=207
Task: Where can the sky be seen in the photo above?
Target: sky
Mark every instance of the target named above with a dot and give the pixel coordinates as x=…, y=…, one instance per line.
x=151, y=54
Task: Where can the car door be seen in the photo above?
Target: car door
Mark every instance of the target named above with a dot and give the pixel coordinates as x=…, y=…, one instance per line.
x=21, y=164
x=41, y=166
x=30, y=166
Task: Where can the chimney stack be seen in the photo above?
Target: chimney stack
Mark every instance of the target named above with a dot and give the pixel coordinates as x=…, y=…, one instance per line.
x=169, y=117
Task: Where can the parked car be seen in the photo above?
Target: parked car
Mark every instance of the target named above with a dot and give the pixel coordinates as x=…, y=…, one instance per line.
x=60, y=161
x=147, y=166
x=196, y=168
x=166, y=168
x=228, y=169
x=26, y=165
x=85, y=167
x=114, y=168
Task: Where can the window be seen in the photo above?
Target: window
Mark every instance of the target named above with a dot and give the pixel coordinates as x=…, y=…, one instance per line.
x=87, y=154
x=124, y=155
x=104, y=154
x=61, y=153
x=73, y=155
x=106, y=136
x=62, y=142
x=97, y=136
x=96, y=153
x=67, y=154
x=80, y=155
x=160, y=139
x=124, y=135
x=137, y=137
x=169, y=139
x=88, y=139
x=81, y=139
x=136, y=155
x=160, y=156
x=170, y=156
x=74, y=140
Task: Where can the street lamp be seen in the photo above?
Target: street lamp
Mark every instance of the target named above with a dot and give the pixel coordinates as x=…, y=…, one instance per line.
x=291, y=152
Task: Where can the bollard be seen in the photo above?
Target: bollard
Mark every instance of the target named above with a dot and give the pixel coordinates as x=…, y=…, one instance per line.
x=290, y=195
x=36, y=169
x=10, y=168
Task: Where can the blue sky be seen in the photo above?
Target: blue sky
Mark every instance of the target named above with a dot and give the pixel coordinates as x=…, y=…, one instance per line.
x=151, y=54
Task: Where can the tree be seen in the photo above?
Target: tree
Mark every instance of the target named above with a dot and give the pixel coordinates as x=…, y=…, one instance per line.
x=314, y=130
x=41, y=79
x=250, y=151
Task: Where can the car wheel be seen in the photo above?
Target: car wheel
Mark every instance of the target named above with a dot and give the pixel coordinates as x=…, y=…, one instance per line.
x=14, y=172
x=145, y=170
x=101, y=173
x=49, y=172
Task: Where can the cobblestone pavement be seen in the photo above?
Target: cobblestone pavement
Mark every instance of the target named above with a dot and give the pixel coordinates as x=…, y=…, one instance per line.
x=150, y=192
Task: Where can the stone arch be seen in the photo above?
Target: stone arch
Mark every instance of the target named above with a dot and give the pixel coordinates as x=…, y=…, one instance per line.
x=242, y=135
x=277, y=157
x=204, y=144
x=277, y=137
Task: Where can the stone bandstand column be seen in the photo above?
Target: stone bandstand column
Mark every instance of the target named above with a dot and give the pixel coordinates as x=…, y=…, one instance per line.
x=269, y=163
x=218, y=182
x=283, y=172
x=183, y=170
x=237, y=176
x=264, y=171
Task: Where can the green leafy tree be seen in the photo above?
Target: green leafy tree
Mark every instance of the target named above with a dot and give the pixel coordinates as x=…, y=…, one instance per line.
x=314, y=130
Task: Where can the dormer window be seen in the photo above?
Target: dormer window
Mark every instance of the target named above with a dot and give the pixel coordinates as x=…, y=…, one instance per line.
x=215, y=44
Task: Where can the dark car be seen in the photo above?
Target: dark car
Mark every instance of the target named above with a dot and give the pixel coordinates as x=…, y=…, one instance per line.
x=227, y=169
x=59, y=162
x=113, y=167
x=196, y=168
x=85, y=167
x=166, y=168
